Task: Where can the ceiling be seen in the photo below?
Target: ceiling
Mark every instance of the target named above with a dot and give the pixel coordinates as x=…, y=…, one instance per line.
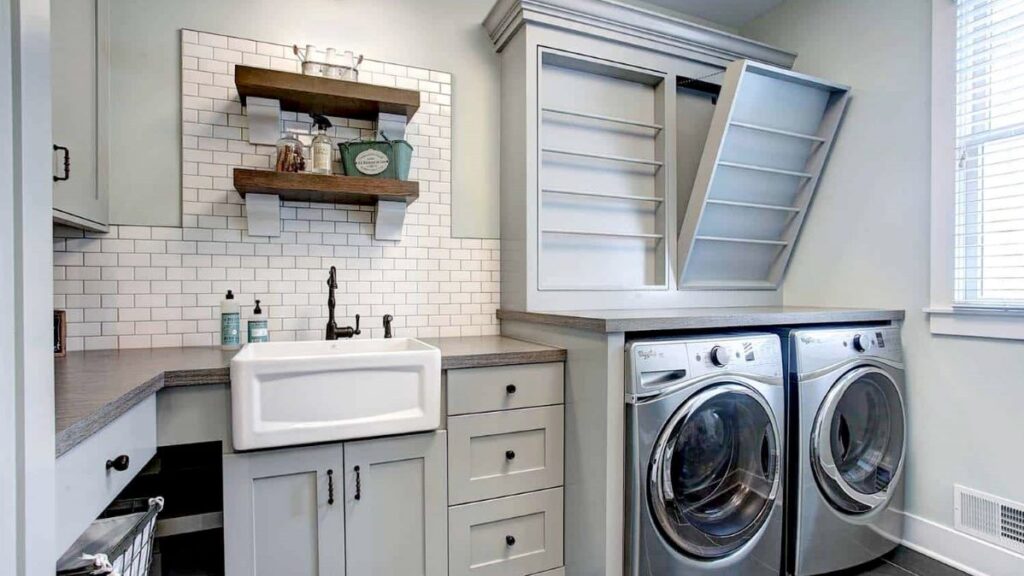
x=731, y=13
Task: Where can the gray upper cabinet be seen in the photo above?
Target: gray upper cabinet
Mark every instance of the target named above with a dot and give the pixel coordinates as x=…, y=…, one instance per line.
x=396, y=506
x=283, y=513
x=79, y=57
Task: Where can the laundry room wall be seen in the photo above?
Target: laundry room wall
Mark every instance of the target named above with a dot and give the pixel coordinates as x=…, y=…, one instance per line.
x=866, y=243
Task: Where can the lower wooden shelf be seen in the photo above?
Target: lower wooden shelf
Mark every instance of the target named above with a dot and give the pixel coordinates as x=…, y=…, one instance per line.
x=307, y=187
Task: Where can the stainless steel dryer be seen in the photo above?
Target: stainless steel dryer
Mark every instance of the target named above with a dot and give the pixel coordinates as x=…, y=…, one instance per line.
x=704, y=421
x=846, y=448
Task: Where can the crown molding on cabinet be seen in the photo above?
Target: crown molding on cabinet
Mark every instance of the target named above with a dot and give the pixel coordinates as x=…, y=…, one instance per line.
x=628, y=24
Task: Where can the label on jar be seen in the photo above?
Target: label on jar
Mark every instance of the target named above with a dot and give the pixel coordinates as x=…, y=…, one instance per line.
x=371, y=162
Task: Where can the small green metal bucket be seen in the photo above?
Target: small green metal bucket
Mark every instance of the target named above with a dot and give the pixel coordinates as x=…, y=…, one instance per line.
x=384, y=158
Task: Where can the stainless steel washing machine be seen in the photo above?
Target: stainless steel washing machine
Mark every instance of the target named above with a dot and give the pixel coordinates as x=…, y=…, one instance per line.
x=846, y=447
x=704, y=448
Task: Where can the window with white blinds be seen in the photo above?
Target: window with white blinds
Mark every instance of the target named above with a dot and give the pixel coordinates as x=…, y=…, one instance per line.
x=989, y=255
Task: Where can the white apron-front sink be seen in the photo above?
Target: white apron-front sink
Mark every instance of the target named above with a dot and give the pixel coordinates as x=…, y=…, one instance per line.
x=290, y=393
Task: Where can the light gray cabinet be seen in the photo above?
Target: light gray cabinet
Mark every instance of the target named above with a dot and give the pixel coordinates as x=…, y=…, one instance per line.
x=284, y=512
x=396, y=506
x=366, y=507
x=79, y=60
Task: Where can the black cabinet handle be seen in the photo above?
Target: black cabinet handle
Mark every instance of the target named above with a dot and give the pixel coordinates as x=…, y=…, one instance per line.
x=510, y=540
x=119, y=464
x=359, y=483
x=330, y=487
x=510, y=389
x=67, y=163
x=510, y=455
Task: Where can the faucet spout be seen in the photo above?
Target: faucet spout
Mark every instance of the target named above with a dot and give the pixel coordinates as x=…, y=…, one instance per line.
x=332, y=285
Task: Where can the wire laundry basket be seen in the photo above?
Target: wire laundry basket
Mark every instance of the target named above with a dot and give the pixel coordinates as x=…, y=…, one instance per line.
x=117, y=546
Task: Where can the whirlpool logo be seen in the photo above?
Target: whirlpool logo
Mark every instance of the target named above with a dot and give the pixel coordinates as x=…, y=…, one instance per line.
x=647, y=354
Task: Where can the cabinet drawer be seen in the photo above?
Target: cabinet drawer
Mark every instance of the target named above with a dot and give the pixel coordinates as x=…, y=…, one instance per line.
x=504, y=387
x=504, y=453
x=84, y=484
x=512, y=536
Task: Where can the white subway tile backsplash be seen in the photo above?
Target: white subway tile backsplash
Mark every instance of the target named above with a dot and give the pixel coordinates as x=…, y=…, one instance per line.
x=142, y=286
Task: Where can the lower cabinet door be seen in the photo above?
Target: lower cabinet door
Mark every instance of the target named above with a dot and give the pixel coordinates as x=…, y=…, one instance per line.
x=283, y=513
x=396, y=506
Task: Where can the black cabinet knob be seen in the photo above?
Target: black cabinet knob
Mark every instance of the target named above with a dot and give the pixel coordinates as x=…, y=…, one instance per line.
x=510, y=455
x=510, y=389
x=120, y=463
x=510, y=540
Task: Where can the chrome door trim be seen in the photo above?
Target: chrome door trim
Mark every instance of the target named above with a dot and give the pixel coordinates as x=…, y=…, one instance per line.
x=821, y=455
x=659, y=479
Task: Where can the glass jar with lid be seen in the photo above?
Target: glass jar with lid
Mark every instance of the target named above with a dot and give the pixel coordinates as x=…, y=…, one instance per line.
x=291, y=155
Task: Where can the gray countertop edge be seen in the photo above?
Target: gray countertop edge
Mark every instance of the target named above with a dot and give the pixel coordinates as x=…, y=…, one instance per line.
x=709, y=320
x=87, y=426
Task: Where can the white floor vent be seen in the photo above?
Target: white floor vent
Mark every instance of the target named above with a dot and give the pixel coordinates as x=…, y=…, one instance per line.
x=989, y=518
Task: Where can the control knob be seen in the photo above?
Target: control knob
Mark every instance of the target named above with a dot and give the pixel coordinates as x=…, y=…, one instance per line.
x=861, y=342
x=719, y=356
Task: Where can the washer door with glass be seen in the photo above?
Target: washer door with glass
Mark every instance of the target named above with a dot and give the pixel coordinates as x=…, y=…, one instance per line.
x=714, y=473
x=857, y=442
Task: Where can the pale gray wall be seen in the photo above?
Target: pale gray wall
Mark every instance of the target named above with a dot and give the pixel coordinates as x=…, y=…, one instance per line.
x=146, y=86
x=866, y=243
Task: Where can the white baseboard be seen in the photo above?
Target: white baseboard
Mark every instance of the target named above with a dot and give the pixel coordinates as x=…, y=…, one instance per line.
x=959, y=550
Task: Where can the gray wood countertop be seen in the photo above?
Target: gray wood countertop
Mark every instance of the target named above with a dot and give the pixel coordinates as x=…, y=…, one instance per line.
x=95, y=387
x=700, y=318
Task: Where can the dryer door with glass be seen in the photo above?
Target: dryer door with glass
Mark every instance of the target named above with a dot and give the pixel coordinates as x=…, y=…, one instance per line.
x=857, y=442
x=714, y=473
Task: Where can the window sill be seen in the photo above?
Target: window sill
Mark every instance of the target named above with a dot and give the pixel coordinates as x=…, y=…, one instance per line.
x=976, y=324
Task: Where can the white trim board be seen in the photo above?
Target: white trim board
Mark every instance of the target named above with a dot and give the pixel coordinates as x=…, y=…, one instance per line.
x=959, y=550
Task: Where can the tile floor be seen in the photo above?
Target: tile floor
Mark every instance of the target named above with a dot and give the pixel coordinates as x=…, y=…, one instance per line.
x=903, y=562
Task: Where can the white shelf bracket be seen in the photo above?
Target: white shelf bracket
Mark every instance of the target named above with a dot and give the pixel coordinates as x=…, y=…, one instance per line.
x=390, y=220
x=264, y=120
x=392, y=125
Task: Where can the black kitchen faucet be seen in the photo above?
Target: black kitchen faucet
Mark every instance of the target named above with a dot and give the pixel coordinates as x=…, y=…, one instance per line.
x=333, y=332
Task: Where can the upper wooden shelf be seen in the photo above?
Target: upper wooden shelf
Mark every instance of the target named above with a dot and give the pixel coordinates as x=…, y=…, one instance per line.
x=341, y=98
x=306, y=187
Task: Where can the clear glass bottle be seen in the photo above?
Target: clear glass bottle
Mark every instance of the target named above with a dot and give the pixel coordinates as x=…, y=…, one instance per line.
x=322, y=147
x=290, y=154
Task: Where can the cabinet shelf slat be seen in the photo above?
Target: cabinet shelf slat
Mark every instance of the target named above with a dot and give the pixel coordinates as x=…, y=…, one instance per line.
x=566, y=232
x=754, y=205
x=777, y=131
x=767, y=169
x=635, y=197
x=603, y=118
x=742, y=240
x=609, y=157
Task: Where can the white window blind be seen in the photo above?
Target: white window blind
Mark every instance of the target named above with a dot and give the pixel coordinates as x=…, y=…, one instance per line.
x=989, y=256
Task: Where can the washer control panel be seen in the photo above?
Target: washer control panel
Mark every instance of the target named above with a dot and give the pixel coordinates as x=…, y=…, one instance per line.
x=655, y=364
x=818, y=348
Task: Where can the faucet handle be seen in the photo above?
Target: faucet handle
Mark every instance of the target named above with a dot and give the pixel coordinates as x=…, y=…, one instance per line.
x=387, y=325
x=357, y=331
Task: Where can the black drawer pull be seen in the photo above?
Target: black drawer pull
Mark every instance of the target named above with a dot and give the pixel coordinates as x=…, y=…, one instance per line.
x=330, y=487
x=119, y=464
x=510, y=389
x=510, y=540
x=510, y=455
x=359, y=483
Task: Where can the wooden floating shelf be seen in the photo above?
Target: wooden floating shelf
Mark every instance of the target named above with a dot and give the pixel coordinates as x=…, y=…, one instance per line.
x=341, y=98
x=307, y=187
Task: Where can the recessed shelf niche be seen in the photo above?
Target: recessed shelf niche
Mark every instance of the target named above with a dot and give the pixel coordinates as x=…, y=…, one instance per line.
x=601, y=209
